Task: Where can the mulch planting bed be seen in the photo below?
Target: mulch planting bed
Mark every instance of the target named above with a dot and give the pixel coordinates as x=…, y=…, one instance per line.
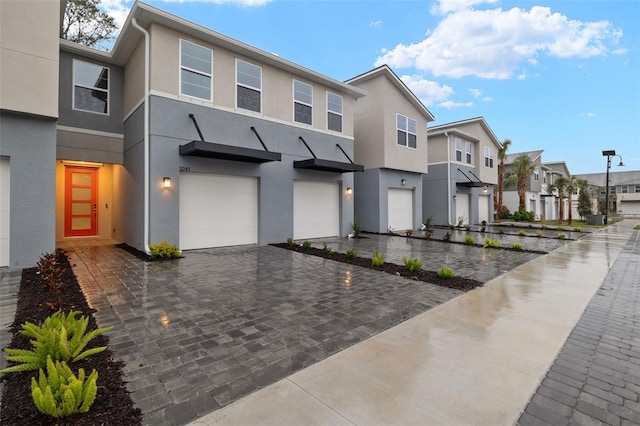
x=458, y=283
x=113, y=405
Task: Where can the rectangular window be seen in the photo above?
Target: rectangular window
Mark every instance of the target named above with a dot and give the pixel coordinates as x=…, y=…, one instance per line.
x=406, y=129
x=90, y=87
x=536, y=174
x=458, y=150
x=544, y=176
x=488, y=157
x=302, y=102
x=334, y=112
x=196, y=66
x=249, y=86
x=637, y=189
x=468, y=152
x=625, y=189
x=612, y=190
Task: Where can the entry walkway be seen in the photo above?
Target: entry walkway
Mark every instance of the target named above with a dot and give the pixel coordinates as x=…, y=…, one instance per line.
x=475, y=360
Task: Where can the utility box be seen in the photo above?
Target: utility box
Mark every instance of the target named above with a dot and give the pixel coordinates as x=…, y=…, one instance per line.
x=595, y=219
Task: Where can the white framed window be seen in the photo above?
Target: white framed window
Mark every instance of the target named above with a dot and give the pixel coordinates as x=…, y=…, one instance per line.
x=302, y=102
x=248, y=86
x=612, y=190
x=467, y=149
x=637, y=189
x=458, y=150
x=90, y=87
x=406, y=129
x=334, y=112
x=536, y=173
x=624, y=189
x=196, y=69
x=488, y=157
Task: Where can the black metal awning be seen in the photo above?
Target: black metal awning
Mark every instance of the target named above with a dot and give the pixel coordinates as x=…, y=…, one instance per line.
x=228, y=152
x=206, y=149
x=472, y=183
x=316, y=163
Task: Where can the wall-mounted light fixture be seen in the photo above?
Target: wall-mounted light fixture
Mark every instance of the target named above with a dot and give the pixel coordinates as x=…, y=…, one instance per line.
x=485, y=189
x=166, y=182
x=349, y=191
x=403, y=182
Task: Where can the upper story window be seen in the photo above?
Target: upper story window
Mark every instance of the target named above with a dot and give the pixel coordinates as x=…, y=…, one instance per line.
x=488, y=157
x=637, y=189
x=536, y=173
x=468, y=151
x=90, y=87
x=249, y=86
x=407, y=129
x=302, y=102
x=544, y=177
x=624, y=189
x=334, y=112
x=458, y=150
x=196, y=65
x=612, y=190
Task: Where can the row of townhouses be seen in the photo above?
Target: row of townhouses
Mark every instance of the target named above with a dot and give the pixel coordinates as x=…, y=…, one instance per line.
x=183, y=134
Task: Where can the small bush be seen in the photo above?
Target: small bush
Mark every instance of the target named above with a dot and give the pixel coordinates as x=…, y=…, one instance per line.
x=577, y=229
x=355, y=227
x=503, y=212
x=290, y=242
x=61, y=337
x=562, y=235
x=469, y=240
x=467, y=227
x=501, y=231
x=544, y=227
x=164, y=250
x=377, y=259
x=428, y=233
x=326, y=249
x=522, y=233
x=306, y=244
x=351, y=253
x=524, y=216
x=51, y=271
x=445, y=272
x=488, y=242
x=427, y=222
x=460, y=221
x=412, y=265
x=59, y=393
x=483, y=228
x=447, y=237
x=517, y=246
x=560, y=228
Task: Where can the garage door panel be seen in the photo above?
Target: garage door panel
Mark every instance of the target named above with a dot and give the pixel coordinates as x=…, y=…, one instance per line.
x=217, y=210
x=400, y=208
x=316, y=209
x=483, y=208
x=4, y=211
x=462, y=208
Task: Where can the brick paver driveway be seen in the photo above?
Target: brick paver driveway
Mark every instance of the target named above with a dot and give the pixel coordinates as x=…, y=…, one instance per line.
x=205, y=330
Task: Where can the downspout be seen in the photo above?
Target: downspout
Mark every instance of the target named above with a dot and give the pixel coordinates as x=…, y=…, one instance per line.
x=134, y=22
x=448, y=178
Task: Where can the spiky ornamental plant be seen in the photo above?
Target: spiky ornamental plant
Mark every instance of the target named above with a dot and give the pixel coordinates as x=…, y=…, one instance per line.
x=59, y=393
x=63, y=337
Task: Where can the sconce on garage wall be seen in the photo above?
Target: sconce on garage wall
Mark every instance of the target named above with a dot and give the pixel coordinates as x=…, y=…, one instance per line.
x=485, y=189
x=349, y=191
x=403, y=182
x=166, y=182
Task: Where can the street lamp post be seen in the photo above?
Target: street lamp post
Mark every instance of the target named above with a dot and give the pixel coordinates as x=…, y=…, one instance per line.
x=609, y=153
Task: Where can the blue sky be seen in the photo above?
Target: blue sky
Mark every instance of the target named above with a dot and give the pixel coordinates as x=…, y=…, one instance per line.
x=562, y=76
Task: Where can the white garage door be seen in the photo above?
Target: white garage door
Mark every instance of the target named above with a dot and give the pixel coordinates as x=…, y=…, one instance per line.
x=400, y=209
x=4, y=211
x=217, y=210
x=630, y=208
x=316, y=209
x=462, y=208
x=483, y=208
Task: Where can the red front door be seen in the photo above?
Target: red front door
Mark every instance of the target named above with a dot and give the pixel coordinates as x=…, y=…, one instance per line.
x=80, y=202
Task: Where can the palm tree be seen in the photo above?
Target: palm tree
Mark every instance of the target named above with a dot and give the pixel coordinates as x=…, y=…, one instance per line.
x=573, y=185
x=502, y=155
x=523, y=168
x=562, y=184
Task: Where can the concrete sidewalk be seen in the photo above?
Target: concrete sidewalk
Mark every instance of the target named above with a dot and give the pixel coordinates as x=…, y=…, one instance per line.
x=476, y=359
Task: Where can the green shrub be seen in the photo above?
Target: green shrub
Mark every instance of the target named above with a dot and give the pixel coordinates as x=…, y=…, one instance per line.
x=61, y=337
x=501, y=231
x=326, y=249
x=377, y=259
x=524, y=216
x=59, y=393
x=290, y=242
x=50, y=270
x=351, y=253
x=577, y=229
x=445, y=272
x=306, y=244
x=522, y=233
x=517, y=246
x=412, y=265
x=544, y=227
x=469, y=240
x=637, y=227
x=164, y=250
x=427, y=222
x=562, y=235
x=488, y=242
x=467, y=227
x=560, y=228
x=355, y=226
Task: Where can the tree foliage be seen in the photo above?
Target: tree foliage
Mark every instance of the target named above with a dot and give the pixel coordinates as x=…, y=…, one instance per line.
x=84, y=23
x=502, y=156
x=585, y=204
x=522, y=169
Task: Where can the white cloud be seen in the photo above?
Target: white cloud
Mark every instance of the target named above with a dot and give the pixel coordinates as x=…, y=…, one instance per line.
x=232, y=2
x=452, y=104
x=429, y=92
x=476, y=93
x=117, y=9
x=376, y=24
x=496, y=43
x=487, y=99
x=588, y=114
x=447, y=6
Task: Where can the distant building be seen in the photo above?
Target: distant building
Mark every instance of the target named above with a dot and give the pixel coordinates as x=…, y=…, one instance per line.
x=624, y=191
